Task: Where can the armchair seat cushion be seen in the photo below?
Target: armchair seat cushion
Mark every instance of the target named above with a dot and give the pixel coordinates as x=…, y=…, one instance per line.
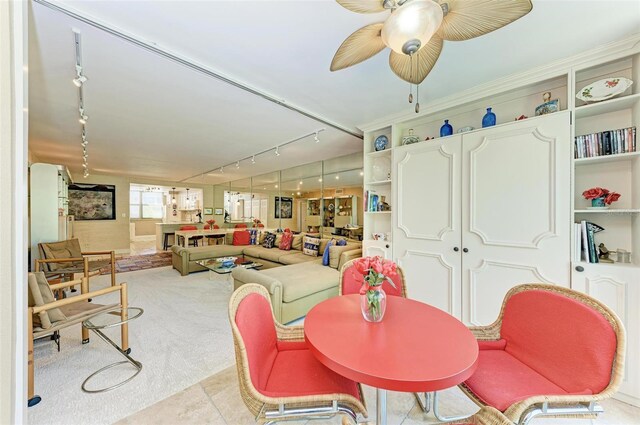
x=502, y=380
x=296, y=372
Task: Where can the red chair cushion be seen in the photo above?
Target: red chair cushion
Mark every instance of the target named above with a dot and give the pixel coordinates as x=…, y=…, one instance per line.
x=502, y=380
x=564, y=340
x=352, y=282
x=255, y=323
x=285, y=242
x=207, y=227
x=241, y=237
x=296, y=372
x=215, y=226
x=241, y=226
x=188, y=228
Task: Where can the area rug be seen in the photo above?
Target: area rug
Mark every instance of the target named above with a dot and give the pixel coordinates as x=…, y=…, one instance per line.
x=140, y=262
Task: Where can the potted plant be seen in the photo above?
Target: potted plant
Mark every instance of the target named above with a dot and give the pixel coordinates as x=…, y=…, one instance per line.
x=600, y=197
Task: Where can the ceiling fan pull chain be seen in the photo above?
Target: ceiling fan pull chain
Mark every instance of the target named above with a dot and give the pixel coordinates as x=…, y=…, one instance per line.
x=410, y=93
x=417, y=98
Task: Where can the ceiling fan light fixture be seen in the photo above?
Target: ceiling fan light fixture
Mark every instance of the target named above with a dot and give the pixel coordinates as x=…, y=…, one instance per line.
x=412, y=25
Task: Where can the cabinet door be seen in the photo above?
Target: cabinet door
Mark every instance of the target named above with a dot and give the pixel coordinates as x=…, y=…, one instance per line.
x=616, y=286
x=427, y=221
x=516, y=211
x=376, y=249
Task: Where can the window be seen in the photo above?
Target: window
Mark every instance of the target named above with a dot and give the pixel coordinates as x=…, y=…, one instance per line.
x=145, y=204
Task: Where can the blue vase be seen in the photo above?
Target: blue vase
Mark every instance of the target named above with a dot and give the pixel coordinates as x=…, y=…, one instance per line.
x=446, y=129
x=598, y=202
x=489, y=119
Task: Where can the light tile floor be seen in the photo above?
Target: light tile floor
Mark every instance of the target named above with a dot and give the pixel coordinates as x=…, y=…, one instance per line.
x=143, y=246
x=216, y=401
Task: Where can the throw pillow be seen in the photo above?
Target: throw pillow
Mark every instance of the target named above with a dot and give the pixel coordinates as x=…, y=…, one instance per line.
x=311, y=246
x=241, y=237
x=253, y=237
x=278, y=239
x=285, y=243
x=341, y=242
x=325, y=255
x=269, y=240
x=297, y=242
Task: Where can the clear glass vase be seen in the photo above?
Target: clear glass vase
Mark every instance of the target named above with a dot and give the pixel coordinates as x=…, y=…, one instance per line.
x=373, y=305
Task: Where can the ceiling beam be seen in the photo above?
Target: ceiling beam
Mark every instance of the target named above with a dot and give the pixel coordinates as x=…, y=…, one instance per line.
x=153, y=48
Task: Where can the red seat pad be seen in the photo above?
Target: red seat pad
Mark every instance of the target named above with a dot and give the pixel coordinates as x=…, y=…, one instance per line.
x=352, y=282
x=297, y=373
x=188, y=228
x=502, y=380
x=241, y=237
x=255, y=323
x=569, y=343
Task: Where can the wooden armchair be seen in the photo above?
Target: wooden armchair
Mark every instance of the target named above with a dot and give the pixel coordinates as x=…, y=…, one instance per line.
x=65, y=258
x=47, y=316
x=279, y=378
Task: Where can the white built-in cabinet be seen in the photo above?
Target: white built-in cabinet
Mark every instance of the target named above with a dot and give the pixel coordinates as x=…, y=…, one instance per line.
x=465, y=233
x=476, y=213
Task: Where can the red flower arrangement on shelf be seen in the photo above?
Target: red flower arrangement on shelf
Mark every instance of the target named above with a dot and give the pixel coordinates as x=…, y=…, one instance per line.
x=256, y=222
x=375, y=270
x=600, y=197
x=211, y=222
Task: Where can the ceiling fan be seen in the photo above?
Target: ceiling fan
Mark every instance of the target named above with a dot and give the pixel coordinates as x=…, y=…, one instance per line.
x=416, y=29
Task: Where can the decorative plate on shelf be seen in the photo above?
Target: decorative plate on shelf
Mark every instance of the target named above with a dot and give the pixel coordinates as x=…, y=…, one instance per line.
x=381, y=169
x=381, y=143
x=604, y=89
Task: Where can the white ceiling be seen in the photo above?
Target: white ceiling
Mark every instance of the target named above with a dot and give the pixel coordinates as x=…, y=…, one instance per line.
x=153, y=118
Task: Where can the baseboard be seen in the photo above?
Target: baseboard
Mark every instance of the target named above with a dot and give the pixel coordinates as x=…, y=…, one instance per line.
x=629, y=399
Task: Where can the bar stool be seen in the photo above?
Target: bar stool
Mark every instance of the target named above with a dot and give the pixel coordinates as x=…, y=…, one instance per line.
x=165, y=244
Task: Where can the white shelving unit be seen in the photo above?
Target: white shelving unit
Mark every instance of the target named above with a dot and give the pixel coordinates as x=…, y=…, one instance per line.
x=616, y=284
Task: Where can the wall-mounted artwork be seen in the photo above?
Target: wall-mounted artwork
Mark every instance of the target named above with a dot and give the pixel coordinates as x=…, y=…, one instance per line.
x=92, y=201
x=283, y=207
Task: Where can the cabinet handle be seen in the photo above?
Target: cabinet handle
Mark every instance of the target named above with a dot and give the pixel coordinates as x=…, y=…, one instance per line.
x=386, y=246
x=465, y=250
x=579, y=268
x=456, y=249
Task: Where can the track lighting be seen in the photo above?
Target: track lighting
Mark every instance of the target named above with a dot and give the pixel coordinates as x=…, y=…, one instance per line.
x=337, y=177
x=79, y=80
x=277, y=153
x=237, y=164
x=84, y=144
x=221, y=170
x=253, y=159
x=316, y=137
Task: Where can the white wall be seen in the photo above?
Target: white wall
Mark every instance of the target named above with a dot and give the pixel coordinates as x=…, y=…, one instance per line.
x=13, y=211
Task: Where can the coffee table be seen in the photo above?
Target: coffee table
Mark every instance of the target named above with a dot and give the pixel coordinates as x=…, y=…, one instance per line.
x=215, y=267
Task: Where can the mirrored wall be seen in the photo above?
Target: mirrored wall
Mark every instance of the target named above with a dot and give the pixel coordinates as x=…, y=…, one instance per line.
x=322, y=197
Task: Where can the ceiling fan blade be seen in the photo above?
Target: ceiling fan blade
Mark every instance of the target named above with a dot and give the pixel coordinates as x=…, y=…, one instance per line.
x=416, y=70
x=359, y=46
x=362, y=6
x=472, y=18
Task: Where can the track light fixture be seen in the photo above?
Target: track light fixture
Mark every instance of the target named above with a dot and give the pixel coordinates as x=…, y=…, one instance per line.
x=221, y=170
x=316, y=137
x=237, y=164
x=277, y=153
x=253, y=159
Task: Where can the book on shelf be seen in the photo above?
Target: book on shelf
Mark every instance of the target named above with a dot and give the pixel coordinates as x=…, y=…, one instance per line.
x=585, y=247
x=611, y=142
x=372, y=201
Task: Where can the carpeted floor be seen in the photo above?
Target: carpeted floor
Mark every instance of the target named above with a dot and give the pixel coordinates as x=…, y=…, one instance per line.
x=140, y=262
x=182, y=337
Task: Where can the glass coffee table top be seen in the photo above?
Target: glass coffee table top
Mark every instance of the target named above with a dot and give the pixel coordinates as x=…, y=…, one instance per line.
x=215, y=266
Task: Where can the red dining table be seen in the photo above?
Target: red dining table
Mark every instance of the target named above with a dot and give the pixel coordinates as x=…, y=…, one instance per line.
x=415, y=348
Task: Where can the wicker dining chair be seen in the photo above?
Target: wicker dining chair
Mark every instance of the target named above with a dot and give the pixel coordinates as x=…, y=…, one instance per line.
x=573, y=342
x=279, y=378
x=486, y=416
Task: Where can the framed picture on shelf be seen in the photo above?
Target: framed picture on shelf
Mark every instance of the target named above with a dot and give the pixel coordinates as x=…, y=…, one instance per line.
x=92, y=201
x=218, y=211
x=283, y=207
x=208, y=211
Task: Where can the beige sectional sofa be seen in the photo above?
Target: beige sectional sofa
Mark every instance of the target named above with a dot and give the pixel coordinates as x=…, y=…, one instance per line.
x=295, y=281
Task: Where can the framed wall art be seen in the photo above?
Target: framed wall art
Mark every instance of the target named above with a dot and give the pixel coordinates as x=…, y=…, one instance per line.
x=92, y=201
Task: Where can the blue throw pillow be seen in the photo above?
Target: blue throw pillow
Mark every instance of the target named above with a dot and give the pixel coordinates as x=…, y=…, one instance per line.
x=253, y=238
x=341, y=242
x=325, y=255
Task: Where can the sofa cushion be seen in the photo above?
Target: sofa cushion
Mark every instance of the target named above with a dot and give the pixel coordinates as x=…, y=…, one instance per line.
x=564, y=340
x=335, y=252
x=214, y=251
x=241, y=237
x=254, y=319
x=296, y=257
x=502, y=380
x=274, y=254
x=300, y=280
x=296, y=244
x=311, y=246
x=296, y=372
x=254, y=251
x=278, y=239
